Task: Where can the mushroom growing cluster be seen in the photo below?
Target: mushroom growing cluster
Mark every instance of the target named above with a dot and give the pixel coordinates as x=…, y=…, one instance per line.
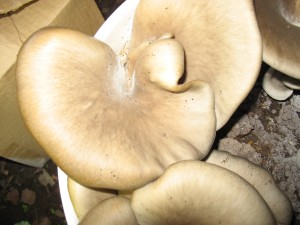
x=139, y=121
x=279, y=23
x=223, y=189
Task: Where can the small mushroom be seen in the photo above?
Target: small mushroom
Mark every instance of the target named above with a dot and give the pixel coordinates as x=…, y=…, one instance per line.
x=298, y=158
x=260, y=179
x=273, y=85
x=84, y=198
x=118, y=130
x=220, y=49
x=196, y=192
x=112, y=211
x=279, y=25
x=290, y=82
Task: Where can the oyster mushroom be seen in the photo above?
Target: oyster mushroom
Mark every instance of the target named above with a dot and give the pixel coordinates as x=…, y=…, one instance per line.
x=220, y=49
x=279, y=23
x=117, y=130
x=196, y=192
x=260, y=179
x=273, y=85
x=298, y=158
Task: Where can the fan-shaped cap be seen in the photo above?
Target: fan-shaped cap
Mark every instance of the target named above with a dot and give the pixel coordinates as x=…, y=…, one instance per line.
x=273, y=85
x=277, y=20
x=196, y=192
x=261, y=180
x=290, y=82
x=112, y=211
x=222, y=48
x=101, y=127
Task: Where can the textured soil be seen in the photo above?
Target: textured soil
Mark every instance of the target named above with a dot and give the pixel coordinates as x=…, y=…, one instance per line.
x=265, y=131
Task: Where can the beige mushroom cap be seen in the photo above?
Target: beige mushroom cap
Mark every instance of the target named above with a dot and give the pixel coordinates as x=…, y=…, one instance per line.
x=84, y=198
x=196, y=192
x=99, y=126
x=290, y=82
x=281, y=38
x=260, y=179
x=222, y=48
x=273, y=85
x=112, y=211
x=298, y=158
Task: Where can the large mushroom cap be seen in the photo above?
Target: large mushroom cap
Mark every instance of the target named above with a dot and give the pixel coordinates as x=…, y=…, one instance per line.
x=100, y=127
x=261, y=180
x=196, y=192
x=279, y=22
x=221, y=42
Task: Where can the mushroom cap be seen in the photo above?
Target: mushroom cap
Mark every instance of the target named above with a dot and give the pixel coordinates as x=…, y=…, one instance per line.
x=281, y=38
x=101, y=128
x=290, y=82
x=273, y=86
x=112, y=211
x=260, y=179
x=222, y=48
x=196, y=192
x=298, y=159
x=84, y=198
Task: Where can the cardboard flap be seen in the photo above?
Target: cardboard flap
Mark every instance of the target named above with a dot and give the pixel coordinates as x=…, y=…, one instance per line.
x=12, y=5
x=9, y=45
x=16, y=25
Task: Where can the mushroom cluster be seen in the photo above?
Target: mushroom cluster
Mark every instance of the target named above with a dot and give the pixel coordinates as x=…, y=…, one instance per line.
x=279, y=23
x=188, y=192
x=131, y=127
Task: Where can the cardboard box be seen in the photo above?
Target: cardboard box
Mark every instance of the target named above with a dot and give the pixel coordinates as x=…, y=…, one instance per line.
x=21, y=19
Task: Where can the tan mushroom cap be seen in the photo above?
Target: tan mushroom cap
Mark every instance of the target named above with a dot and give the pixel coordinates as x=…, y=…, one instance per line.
x=196, y=192
x=221, y=41
x=281, y=38
x=290, y=82
x=84, y=198
x=260, y=179
x=298, y=158
x=99, y=127
x=273, y=85
x=112, y=211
